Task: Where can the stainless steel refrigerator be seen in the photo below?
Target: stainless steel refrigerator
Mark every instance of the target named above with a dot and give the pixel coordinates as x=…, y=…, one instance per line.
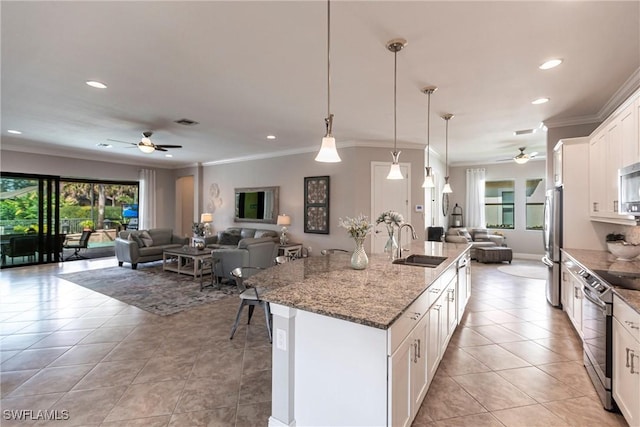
x=552, y=236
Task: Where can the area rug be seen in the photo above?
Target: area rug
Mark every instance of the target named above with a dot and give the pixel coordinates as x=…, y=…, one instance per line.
x=529, y=271
x=150, y=288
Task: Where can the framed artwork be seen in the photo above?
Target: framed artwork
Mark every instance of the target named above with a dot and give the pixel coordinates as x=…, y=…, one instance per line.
x=316, y=204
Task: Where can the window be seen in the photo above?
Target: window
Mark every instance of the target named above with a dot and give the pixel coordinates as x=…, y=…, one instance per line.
x=499, y=204
x=535, y=204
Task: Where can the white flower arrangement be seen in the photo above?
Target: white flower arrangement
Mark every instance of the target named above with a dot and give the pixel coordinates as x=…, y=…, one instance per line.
x=357, y=227
x=391, y=219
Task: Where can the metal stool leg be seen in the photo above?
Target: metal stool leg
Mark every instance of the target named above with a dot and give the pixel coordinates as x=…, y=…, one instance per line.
x=251, y=307
x=267, y=315
x=235, y=325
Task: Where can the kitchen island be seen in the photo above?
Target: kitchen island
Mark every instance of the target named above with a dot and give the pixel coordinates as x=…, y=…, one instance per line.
x=360, y=347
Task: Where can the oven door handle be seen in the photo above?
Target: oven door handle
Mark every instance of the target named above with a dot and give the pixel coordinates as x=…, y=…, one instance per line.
x=599, y=303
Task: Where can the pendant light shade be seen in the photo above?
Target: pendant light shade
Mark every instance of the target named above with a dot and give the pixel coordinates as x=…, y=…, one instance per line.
x=447, y=187
x=428, y=178
x=395, y=46
x=328, y=152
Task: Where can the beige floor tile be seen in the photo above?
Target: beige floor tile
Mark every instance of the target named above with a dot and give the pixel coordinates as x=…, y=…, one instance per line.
x=493, y=391
x=21, y=341
x=526, y=314
x=82, y=408
x=567, y=347
x=107, y=335
x=52, y=380
x=201, y=394
x=467, y=337
x=447, y=399
x=528, y=330
x=166, y=368
x=220, y=417
x=111, y=374
x=159, y=421
x=257, y=358
x=8, y=328
x=217, y=361
x=497, y=334
x=529, y=416
x=571, y=373
x=132, y=350
x=585, y=412
x=10, y=380
x=532, y=352
x=538, y=384
x=255, y=414
x=458, y=362
x=496, y=357
x=85, y=323
x=476, y=420
x=255, y=388
x=147, y=400
x=33, y=359
x=84, y=353
x=33, y=403
x=6, y=355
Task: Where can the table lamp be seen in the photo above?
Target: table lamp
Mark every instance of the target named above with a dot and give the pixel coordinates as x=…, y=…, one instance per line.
x=206, y=219
x=284, y=221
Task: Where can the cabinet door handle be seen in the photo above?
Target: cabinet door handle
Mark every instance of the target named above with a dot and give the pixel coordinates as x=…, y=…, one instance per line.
x=631, y=324
x=419, y=350
x=628, y=350
x=415, y=352
x=435, y=291
x=595, y=206
x=564, y=276
x=633, y=368
x=615, y=206
x=437, y=307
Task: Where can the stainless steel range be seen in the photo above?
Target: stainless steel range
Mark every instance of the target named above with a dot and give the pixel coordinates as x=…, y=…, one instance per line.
x=597, y=323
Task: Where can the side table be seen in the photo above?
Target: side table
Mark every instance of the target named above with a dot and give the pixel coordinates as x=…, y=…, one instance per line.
x=291, y=250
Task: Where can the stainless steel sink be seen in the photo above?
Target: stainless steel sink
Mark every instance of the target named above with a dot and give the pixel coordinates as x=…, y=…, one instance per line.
x=421, y=260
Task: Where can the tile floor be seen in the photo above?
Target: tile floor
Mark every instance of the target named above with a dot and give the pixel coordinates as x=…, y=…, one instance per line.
x=513, y=361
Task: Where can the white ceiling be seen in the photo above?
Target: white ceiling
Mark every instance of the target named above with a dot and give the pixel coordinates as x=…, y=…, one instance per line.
x=244, y=70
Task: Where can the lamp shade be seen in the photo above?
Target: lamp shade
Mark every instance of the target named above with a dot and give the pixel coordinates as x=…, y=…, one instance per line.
x=206, y=217
x=447, y=188
x=145, y=148
x=428, y=182
x=395, y=172
x=328, y=152
x=284, y=220
x=521, y=160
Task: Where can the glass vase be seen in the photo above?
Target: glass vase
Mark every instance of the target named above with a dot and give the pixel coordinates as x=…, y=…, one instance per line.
x=359, y=259
x=391, y=247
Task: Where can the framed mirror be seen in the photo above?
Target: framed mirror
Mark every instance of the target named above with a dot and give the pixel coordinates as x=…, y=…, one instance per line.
x=259, y=204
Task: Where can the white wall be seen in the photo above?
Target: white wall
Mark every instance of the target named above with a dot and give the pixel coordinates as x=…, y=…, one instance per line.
x=520, y=240
x=350, y=190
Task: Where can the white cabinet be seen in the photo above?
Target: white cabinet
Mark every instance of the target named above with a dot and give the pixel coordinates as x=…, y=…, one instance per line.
x=571, y=297
x=626, y=360
x=433, y=340
x=613, y=145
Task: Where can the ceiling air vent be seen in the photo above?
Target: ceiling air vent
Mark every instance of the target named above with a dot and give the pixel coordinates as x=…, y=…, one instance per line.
x=186, y=122
x=524, y=132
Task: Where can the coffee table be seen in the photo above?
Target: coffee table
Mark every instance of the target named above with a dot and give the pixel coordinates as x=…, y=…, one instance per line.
x=187, y=260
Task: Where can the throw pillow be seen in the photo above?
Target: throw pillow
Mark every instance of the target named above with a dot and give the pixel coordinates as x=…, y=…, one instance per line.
x=481, y=236
x=229, y=239
x=464, y=233
x=146, y=238
x=135, y=238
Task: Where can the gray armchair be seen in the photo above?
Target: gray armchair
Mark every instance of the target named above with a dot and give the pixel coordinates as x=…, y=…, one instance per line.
x=252, y=252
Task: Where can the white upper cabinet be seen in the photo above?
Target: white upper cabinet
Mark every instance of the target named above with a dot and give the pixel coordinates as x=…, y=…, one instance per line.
x=612, y=146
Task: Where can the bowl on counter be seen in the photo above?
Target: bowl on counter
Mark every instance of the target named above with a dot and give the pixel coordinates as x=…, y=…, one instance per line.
x=624, y=251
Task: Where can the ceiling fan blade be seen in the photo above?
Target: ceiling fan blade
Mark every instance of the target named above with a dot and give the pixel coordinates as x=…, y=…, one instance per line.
x=168, y=146
x=123, y=142
x=532, y=155
x=159, y=148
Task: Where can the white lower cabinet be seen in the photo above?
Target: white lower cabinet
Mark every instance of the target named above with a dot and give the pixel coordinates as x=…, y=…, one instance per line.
x=626, y=361
x=571, y=297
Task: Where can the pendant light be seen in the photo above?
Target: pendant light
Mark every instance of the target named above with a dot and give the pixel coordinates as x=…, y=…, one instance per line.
x=447, y=186
x=328, y=152
x=395, y=46
x=428, y=178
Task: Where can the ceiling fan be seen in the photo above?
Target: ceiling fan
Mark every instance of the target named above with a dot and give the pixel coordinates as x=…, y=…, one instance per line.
x=522, y=157
x=146, y=145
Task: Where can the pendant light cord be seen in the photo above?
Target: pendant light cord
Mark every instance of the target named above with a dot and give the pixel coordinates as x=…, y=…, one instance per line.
x=328, y=58
x=446, y=151
x=428, y=127
x=395, y=84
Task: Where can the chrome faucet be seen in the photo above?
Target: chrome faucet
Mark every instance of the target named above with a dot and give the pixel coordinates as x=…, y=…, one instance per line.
x=414, y=236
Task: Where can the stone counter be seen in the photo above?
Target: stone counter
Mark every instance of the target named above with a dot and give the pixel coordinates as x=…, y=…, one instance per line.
x=603, y=260
x=374, y=297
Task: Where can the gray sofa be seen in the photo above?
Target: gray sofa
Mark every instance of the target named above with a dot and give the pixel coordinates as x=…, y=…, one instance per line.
x=250, y=252
x=230, y=237
x=134, y=247
x=478, y=237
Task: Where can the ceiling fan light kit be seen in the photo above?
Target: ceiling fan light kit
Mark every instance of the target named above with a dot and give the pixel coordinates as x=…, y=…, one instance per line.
x=523, y=158
x=328, y=152
x=395, y=46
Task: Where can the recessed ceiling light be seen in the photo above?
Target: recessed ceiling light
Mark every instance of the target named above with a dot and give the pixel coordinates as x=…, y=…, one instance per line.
x=271, y=137
x=15, y=132
x=168, y=155
x=552, y=63
x=96, y=84
x=540, y=101
x=104, y=145
x=543, y=126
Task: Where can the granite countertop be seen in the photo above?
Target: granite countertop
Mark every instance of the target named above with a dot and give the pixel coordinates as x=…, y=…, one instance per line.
x=375, y=297
x=603, y=260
